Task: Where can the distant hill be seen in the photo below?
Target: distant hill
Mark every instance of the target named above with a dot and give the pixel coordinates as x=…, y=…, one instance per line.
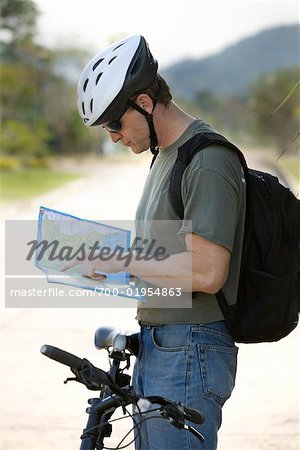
x=231, y=70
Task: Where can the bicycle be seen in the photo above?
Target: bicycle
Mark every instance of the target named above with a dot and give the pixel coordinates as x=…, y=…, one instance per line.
x=116, y=392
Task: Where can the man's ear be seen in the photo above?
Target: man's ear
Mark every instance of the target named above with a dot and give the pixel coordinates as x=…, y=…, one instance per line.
x=145, y=102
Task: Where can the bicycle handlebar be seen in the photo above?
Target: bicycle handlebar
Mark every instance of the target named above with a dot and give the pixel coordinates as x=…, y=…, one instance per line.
x=190, y=414
x=86, y=373
x=94, y=378
x=78, y=364
x=194, y=415
x=66, y=358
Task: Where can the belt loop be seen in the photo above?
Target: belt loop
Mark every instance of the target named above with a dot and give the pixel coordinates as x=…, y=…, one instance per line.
x=149, y=325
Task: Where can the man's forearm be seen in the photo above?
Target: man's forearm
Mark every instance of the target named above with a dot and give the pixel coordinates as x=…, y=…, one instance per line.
x=175, y=271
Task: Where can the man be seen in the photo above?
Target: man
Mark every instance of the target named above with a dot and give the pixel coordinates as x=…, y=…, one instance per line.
x=186, y=352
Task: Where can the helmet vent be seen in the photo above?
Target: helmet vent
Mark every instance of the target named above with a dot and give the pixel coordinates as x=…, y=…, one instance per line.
x=85, y=84
x=97, y=63
x=110, y=61
x=112, y=78
x=118, y=46
x=98, y=77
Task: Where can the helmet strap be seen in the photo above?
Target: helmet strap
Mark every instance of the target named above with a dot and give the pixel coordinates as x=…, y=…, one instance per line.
x=149, y=117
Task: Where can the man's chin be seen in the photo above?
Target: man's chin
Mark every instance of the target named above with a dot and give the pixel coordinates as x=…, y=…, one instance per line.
x=138, y=150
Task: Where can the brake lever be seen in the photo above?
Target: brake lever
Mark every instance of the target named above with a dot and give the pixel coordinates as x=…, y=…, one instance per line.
x=174, y=413
x=189, y=414
x=70, y=379
x=89, y=375
x=195, y=432
x=94, y=378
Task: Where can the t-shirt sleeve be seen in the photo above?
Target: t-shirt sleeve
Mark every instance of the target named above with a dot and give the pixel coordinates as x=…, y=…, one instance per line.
x=210, y=194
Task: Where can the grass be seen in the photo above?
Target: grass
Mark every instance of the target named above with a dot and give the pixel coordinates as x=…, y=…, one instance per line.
x=25, y=184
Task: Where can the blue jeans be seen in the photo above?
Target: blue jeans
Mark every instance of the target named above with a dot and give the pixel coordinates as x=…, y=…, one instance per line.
x=194, y=364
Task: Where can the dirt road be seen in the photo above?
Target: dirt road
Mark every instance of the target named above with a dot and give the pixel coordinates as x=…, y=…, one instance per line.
x=39, y=411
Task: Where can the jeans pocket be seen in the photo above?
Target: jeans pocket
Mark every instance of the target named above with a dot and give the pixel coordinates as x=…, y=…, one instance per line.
x=170, y=339
x=218, y=370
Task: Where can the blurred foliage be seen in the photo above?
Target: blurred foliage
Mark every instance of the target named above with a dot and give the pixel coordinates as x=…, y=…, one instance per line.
x=22, y=138
x=229, y=114
x=9, y=163
x=39, y=115
x=18, y=19
x=278, y=126
x=38, y=93
x=269, y=114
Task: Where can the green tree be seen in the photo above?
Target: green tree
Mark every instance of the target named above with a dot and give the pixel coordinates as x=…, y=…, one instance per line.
x=228, y=114
x=276, y=114
x=23, y=130
x=18, y=19
x=38, y=90
x=19, y=137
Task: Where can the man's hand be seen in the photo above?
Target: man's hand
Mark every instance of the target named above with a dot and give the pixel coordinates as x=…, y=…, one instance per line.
x=90, y=268
x=202, y=267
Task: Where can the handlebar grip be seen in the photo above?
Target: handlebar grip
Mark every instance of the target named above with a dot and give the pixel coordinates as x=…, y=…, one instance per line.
x=62, y=356
x=193, y=415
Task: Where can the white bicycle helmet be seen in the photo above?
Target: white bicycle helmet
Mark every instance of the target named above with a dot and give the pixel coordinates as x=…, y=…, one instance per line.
x=112, y=77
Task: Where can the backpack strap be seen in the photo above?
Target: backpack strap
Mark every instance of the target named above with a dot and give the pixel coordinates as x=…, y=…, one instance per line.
x=185, y=155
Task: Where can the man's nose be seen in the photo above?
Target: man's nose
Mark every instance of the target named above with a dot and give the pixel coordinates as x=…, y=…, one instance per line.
x=115, y=137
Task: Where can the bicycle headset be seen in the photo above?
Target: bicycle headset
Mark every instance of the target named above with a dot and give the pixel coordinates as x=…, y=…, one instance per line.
x=110, y=80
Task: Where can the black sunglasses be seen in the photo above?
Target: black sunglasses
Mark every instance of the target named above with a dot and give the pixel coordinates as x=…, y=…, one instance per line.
x=114, y=126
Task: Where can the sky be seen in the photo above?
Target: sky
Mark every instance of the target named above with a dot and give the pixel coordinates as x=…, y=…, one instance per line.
x=173, y=29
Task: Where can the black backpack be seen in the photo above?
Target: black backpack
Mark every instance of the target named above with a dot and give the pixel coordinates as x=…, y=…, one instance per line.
x=268, y=296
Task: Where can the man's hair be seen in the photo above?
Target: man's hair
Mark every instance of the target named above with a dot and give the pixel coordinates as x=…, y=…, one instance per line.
x=160, y=85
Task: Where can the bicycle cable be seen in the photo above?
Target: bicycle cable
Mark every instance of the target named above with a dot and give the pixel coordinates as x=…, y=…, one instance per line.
x=136, y=426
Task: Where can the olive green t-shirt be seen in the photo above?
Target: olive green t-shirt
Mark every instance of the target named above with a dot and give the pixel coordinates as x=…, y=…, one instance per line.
x=213, y=194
